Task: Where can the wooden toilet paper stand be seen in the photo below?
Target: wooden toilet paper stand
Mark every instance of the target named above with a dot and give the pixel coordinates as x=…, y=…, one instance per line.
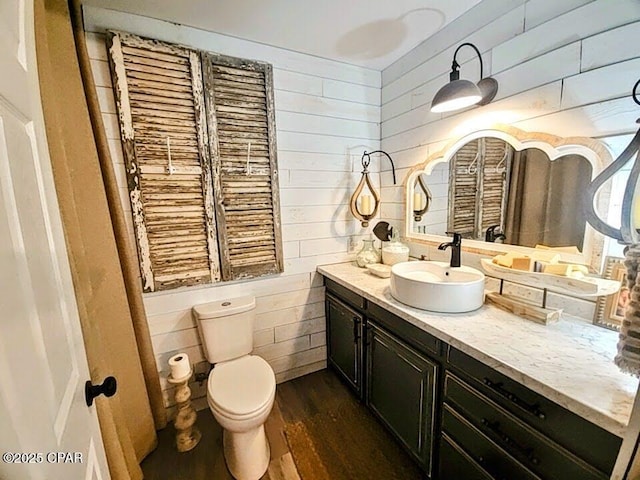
x=188, y=435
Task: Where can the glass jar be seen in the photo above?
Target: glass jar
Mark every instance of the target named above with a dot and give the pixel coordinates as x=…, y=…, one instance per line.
x=394, y=251
x=369, y=254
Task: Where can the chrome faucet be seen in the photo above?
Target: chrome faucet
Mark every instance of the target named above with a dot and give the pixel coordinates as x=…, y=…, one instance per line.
x=455, y=249
x=491, y=235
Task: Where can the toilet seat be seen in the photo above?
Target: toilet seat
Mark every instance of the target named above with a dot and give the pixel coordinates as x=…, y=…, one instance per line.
x=242, y=387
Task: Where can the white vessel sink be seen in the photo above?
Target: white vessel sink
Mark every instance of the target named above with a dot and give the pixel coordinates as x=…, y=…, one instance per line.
x=438, y=287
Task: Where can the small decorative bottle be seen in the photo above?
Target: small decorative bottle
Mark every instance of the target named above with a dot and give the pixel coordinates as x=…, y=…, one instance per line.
x=369, y=254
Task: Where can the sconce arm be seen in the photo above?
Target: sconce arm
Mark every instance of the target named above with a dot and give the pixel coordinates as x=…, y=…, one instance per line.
x=393, y=167
x=456, y=65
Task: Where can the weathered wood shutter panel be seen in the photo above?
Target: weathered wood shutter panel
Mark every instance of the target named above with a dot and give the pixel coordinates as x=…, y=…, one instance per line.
x=493, y=194
x=160, y=103
x=463, y=190
x=241, y=123
x=479, y=187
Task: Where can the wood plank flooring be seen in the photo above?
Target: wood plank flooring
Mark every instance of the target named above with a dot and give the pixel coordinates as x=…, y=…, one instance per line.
x=297, y=401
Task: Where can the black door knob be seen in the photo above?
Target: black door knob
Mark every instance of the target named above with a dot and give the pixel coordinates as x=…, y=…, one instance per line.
x=108, y=389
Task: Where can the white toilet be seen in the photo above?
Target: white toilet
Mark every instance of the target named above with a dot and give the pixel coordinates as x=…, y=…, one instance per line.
x=241, y=387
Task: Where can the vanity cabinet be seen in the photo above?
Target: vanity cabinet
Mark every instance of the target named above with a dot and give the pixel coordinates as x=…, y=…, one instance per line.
x=458, y=417
x=401, y=391
x=390, y=366
x=503, y=444
x=542, y=436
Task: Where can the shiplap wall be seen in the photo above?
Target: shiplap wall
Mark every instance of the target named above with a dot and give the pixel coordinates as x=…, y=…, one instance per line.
x=565, y=68
x=327, y=113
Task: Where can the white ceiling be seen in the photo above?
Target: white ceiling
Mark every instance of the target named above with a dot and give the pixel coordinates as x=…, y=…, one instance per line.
x=369, y=33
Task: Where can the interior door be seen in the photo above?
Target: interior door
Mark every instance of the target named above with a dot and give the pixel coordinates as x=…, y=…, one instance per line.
x=46, y=429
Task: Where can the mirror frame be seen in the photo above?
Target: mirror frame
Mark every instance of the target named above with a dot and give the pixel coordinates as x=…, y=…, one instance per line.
x=555, y=147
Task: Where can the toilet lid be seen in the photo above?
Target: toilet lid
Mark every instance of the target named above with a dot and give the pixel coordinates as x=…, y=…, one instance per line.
x=241, y=386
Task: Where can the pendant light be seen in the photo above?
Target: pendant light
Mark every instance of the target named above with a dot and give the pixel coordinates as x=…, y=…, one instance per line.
x=458, y=93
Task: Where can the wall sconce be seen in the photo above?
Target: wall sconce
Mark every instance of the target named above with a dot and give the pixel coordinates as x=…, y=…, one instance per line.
x=418, y=208
x=628, y=234
x=364, y=206
x=459, y=94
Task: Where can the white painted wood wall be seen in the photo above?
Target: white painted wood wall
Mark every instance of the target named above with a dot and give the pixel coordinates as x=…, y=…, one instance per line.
x=564, y=67
x=327, y=114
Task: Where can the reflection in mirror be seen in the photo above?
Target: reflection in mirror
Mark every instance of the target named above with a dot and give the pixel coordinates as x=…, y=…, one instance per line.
x=610, y=309
x=421, y=198
x=491, y=192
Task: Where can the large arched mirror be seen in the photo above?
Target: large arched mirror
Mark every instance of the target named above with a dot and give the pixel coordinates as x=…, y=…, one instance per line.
x=505, y=189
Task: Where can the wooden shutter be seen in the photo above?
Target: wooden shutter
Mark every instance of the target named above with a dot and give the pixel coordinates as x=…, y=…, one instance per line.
x=158, y=89
x=463, y=190
x=478, y=187
x=492, y=199
x=241, y=123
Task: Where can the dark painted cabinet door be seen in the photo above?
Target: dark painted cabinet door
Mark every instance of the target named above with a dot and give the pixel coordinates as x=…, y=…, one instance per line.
x=401, y=391
x=344, y=341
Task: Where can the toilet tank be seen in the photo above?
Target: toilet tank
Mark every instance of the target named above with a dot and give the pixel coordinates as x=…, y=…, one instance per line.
x=226, y=328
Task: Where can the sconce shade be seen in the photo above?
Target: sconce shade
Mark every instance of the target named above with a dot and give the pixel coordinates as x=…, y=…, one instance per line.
x=459, y=94
x=456, y=95
x=488, y=88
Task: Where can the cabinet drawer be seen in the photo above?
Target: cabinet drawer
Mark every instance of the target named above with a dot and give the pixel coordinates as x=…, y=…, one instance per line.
x=455, y=463
x=482, y=450
x=409, y=333
x=345, y=294
x=533, y=450
x=566, y=428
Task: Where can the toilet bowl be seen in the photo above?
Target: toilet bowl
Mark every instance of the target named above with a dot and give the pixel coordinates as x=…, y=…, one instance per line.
x=241, y=387
x=240, y=394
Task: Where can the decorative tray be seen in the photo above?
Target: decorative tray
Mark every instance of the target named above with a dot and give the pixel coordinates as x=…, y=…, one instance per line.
x=583, y=287
x=379, y=270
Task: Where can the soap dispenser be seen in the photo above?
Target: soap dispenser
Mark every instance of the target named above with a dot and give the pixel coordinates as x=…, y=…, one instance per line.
x=394, y=251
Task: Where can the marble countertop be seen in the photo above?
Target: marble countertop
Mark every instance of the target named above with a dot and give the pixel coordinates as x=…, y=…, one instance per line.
x=569, y=362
